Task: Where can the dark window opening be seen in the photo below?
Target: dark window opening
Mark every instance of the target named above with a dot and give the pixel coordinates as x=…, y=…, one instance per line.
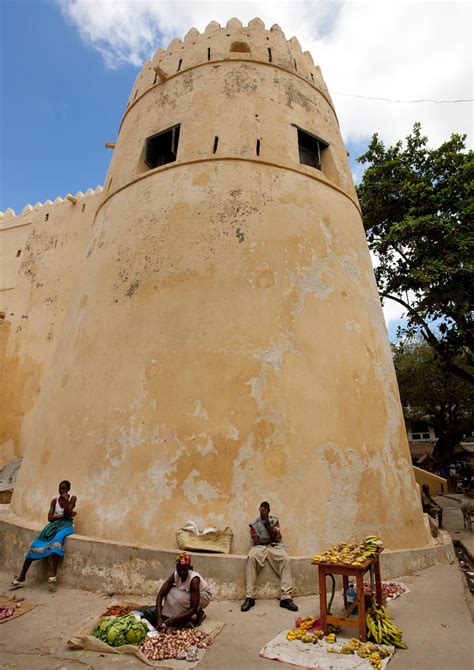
x=258, y=148
x=310, y=148
x=269, y=55
x=296, y=67
x=46, y=216
x=179, y=64
x=18, y=253
x=154, y=80
x=216, y=142
x=162, y=147
x=83, y=208
x=240, y=47
x=420, y=431
x=110, y=184
x=136, y=93
x=209, y=53
x=312, y=78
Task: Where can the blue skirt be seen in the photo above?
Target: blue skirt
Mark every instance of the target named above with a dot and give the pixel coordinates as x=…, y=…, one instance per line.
x=56, y=534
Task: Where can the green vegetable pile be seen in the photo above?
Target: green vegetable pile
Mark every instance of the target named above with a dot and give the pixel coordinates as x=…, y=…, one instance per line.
x=119, y=630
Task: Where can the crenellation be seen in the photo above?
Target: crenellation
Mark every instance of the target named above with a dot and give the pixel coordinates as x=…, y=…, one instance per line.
x=234, y=24
x=309, y=58
x=256, y=24
x=212, y=27
x=296, y=45
x=215, y=44
x=174, y=44
x=191, y=34
x=27, y=209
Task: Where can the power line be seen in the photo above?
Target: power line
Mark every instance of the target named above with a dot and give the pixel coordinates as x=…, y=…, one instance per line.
x=407, y=102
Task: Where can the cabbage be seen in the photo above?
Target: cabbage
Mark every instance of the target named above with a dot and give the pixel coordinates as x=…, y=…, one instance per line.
x=117, y=631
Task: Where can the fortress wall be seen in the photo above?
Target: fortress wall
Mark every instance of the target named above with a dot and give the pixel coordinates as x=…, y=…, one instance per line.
x=224, y=340
x=250, y=360
x=42, y=250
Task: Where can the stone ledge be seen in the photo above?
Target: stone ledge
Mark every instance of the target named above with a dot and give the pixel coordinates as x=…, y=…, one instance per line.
x=102, y=565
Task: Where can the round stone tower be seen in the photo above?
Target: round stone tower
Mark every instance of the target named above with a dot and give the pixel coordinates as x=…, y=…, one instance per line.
x=225, y=342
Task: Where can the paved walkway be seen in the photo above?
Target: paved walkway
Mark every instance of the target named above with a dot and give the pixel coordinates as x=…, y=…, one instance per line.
x=435, y=617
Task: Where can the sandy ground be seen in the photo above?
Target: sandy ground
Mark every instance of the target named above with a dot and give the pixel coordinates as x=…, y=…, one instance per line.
x=435, y=617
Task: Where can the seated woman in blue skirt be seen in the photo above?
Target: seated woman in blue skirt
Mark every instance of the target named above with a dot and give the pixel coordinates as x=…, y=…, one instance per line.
x=50, y=541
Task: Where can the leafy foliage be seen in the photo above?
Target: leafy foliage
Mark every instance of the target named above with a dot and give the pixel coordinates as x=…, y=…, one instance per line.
x=429, y=392
x=418, y=211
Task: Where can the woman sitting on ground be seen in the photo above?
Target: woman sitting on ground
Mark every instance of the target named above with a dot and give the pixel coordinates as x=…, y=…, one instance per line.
x=185, y=594
x=50, y=541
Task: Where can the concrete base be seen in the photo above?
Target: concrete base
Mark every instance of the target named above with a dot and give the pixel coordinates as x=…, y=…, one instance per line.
x=100, y=565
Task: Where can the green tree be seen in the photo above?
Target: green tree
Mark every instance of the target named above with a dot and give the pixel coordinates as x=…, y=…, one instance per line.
x=418, y=214
x=429, y=392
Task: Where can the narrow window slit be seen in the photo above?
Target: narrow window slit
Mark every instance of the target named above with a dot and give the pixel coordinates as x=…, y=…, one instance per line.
x=179, y=64
x=296, y=67
x=18, y=253
x=136, y=93
x=46, y=216
x=83, y=208
x=209, y=53
x=216, y=142
x=312, y=78
x=269, y=55
x=154, y=80
x=258, y=147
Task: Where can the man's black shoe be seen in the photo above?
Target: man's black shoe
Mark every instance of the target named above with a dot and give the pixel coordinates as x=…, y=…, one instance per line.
x=247, y=604
x=288, y=604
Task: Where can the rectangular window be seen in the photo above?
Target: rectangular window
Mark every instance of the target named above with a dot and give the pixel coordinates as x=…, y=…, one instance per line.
x=162, y=148
x=310, y=148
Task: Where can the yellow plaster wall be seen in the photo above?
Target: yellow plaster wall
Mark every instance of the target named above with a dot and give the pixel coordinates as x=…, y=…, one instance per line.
x=223, y=341
x=41, y=251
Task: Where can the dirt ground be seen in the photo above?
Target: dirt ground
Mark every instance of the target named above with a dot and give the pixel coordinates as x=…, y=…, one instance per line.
x=435, y=617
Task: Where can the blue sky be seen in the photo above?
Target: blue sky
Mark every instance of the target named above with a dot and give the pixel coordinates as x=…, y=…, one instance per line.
x=67, y=67
x=60, y=103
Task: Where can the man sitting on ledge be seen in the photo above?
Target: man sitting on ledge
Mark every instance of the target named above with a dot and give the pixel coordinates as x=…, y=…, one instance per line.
x=266, y=537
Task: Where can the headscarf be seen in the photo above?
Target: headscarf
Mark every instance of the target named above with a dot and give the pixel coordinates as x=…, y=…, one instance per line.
x=183, y=559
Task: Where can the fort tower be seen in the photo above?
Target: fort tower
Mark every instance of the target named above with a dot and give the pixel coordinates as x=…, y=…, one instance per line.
x=223, y=341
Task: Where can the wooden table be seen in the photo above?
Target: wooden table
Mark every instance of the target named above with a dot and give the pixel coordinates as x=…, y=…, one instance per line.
x=347, y=571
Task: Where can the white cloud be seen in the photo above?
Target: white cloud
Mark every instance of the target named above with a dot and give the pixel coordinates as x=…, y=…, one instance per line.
x=398, y=49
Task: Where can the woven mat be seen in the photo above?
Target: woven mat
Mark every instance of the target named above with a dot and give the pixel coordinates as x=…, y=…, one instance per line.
x=315, y=656
x=20, y=606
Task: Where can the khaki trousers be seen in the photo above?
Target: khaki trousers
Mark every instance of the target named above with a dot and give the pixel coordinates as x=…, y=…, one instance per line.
x=279, y=562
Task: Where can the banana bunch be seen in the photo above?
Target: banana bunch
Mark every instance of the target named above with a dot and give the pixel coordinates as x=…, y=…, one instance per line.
x=350, y=554
x=303, y=631
x=363, y=650
x=382, y=629
x=372, y=545
x=375, y=661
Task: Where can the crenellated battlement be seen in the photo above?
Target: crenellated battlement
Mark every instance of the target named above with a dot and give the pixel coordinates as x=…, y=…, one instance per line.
x=233, y=41
x=10, y=213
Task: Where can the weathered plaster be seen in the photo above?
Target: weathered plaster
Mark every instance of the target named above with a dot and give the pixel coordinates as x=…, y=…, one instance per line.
x=217, y=337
